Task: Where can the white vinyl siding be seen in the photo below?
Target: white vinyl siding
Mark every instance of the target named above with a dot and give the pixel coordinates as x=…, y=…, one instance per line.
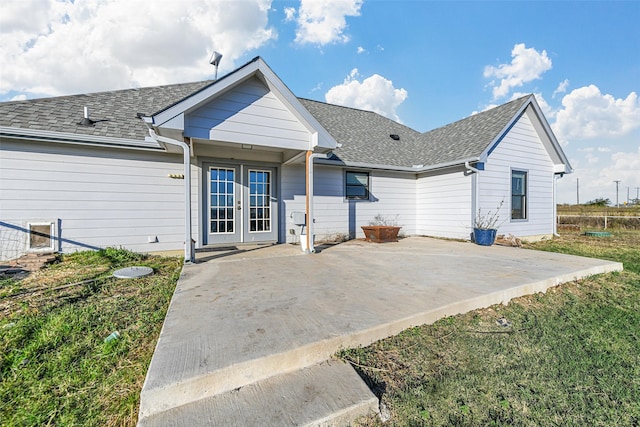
x=391, y=195
x=521, y=149
x=444, y=204
x=97, y=197
x=248, y=114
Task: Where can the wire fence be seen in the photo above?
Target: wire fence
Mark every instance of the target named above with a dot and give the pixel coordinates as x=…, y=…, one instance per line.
x=600, y=221
x=12, y=243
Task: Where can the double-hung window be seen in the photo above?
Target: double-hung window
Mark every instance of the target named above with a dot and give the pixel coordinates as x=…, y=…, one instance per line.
x=518, y=195
x=357, y=185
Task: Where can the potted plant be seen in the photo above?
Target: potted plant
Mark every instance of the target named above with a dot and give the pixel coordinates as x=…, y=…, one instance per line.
x=381, y=229
x=485, y=226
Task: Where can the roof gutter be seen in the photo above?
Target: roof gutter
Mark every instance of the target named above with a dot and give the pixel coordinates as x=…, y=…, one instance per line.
x=413, y=169
x=186, y=151
x=75, y=138
x=470, y=168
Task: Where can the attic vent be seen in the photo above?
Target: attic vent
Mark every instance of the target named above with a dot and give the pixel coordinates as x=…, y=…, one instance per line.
x=395, y=137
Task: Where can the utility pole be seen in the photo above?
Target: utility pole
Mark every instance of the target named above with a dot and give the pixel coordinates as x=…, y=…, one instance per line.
x=577, y=191
x=617, y=184
x=637, y=194
x=627, y=194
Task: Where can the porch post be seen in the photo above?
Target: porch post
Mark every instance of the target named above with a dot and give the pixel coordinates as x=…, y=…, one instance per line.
x=308, y=190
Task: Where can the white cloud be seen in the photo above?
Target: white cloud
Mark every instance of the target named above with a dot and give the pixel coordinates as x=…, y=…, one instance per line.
x=324, y=21
x=361, y=49
x=21, y=97
x=527, y=65
x=375, y=93
x=289, y=13
x=94, y=45
x=597, y=175
x=562, y=88
x=586, y=113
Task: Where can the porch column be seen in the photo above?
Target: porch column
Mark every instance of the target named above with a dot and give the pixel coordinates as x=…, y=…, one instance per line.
x=308, y=200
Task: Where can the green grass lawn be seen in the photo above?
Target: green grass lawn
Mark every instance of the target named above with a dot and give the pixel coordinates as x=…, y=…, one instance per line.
x=55, y=367
x=570, y=357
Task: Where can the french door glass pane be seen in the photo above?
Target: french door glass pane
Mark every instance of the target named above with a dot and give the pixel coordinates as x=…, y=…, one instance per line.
x=259, y=200
x=223, y=197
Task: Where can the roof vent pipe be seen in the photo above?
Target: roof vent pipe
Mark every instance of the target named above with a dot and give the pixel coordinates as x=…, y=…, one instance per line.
x=215, y=61
x=86, y=121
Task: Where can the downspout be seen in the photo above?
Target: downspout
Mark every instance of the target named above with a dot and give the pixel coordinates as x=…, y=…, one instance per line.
x=555, y=204
x=189, y=256
x=309, y=199
x=476, y=189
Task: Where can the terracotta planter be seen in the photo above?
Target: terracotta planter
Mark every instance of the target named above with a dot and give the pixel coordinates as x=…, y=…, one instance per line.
x=380, y=233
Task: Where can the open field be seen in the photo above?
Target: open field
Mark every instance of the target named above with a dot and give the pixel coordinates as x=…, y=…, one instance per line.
x=567, y=357
x=598, y=217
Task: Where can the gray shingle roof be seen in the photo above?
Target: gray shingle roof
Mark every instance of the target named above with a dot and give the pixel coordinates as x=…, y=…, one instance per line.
x=364, y=135
x=115, y=111
x=468, y=137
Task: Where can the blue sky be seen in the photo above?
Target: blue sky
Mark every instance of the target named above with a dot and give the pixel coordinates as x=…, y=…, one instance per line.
x=424, y=63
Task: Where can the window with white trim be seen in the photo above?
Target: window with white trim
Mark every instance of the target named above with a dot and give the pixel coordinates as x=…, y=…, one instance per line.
x=357, y=185
x=518, y=195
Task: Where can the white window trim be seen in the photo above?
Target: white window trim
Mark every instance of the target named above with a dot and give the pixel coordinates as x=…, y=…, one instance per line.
x=52, y=237
x=526, y=195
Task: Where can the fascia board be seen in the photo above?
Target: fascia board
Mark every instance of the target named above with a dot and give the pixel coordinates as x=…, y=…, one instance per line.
x=531, y=101
x=277, y=86
x=206, y=94
x=260, y=69
x=496, y=140
x=552, y=137
x=74, y=138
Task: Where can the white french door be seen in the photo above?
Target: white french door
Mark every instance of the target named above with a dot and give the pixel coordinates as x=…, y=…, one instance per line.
x=242, y=204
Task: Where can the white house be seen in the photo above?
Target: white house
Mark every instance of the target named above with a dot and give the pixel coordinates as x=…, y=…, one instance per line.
x=241, y=159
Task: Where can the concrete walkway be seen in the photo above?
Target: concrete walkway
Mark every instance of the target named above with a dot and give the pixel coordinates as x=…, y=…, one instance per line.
x=248, y=320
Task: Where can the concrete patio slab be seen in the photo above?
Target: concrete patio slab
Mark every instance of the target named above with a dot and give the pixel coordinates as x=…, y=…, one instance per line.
x=239, y=319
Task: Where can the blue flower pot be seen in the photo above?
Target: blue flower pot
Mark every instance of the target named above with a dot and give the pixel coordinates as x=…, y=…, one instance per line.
x=484, y=237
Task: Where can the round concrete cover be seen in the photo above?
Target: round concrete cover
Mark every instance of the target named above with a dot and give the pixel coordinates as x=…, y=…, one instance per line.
x=132, y=272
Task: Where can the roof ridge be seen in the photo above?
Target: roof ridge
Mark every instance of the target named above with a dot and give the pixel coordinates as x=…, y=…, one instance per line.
x=519, y=100
x=360, y=110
